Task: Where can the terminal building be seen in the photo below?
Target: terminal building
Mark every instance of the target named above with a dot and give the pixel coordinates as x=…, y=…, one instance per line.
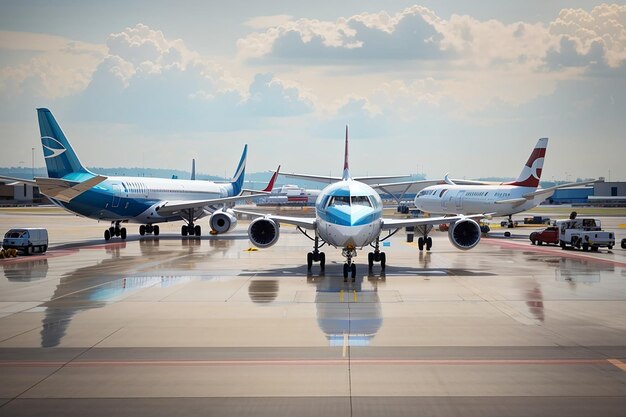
x=602, y=193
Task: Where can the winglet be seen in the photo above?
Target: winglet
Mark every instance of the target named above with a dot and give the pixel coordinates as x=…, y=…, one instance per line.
x=346, y=168
x=193, y=169
x=448, y=180
x=270, y=185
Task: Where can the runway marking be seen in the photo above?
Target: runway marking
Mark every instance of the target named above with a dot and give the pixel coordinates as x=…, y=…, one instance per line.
x=616, y=362
x=314, y=362
x=547, y=250
x=345, y=345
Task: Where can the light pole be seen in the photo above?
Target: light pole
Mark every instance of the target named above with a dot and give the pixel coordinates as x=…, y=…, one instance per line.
x=33, y=161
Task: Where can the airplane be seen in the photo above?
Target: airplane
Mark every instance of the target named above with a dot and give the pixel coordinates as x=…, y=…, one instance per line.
x=348, y=215
x=147, y=201
x=497, y=199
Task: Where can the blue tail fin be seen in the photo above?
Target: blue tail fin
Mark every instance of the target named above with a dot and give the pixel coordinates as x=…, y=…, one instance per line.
x=57, y=151
x=240, y=173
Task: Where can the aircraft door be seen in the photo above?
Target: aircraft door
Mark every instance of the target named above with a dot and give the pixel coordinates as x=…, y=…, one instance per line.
x=459, y=201
x=117, y=194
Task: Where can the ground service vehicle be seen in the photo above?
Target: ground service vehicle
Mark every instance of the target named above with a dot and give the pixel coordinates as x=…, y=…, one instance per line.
x=536, y=220
x=585, y=233
x=549, y=235
x=26, y=240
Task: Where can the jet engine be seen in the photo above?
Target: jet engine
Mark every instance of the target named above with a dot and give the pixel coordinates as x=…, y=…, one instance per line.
x=222, y=221
x=464, y=234
x=263, y=232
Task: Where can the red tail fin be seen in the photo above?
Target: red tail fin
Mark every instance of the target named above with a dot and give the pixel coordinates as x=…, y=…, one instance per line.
x=270, y=185
x=531, y=173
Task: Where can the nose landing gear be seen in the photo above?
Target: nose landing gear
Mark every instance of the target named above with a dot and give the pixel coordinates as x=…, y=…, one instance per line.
x=149, y=229
x=115, y=230
x=349, y=268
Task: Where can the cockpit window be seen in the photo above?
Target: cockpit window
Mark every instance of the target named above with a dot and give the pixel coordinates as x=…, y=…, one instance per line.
x=339, y=200
x=361, y=200
x=442, y=193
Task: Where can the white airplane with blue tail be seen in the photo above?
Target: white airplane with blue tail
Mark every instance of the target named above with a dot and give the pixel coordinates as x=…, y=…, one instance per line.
x=147, y=201
x=349, y=215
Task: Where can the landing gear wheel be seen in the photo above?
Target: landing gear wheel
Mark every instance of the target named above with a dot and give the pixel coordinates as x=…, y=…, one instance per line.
x=156, y=230
x=112, y=231
x=309, y=260
x=539, y=243
x=346, y=269
x=353, y=271
x=118, y=232
x=142, y=230
x=370, y=260
x=107, y=235
x=123, y=233
x=420, y=243
x=183, y=230
x=198, y=230
x=383, y=260
x=322, y=260
x=429, y=243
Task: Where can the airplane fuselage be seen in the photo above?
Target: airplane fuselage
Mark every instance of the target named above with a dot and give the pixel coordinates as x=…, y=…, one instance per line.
x=475, y=199
x=348, y=214
x=136, y=199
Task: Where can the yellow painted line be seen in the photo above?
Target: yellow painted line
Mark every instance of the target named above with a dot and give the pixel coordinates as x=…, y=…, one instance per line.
x=616, y=362
x=341, y=296
x=355, y=296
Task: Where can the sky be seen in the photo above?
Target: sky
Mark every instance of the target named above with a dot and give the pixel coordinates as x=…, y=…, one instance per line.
x=459, y=87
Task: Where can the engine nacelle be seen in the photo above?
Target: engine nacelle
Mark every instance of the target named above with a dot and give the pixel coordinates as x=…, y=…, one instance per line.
x=464, y=234
x=222, y=221
x=263, y=232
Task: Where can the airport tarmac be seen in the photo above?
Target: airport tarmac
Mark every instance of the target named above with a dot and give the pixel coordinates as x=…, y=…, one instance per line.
x=166, y=326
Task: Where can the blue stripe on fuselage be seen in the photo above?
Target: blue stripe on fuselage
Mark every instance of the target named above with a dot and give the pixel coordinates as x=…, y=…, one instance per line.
x=97, y=203
x=349, y=216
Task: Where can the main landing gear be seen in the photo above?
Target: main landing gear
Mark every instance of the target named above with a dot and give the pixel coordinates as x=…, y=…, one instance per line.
x=349, y=268
x=149, y=229
x=508, y=223
x=189, y=228
x=115, y=230
x=424, y=240
x=316, y=256
x=377, y=256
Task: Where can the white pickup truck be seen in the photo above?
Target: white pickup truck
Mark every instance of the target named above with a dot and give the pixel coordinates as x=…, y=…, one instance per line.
x=584, y=233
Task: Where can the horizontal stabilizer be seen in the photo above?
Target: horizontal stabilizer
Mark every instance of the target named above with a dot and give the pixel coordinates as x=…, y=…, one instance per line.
x=64, y=190
x=15, y=181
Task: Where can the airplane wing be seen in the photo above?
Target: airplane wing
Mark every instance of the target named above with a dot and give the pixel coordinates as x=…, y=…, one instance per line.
x=330, y=179
x=14, y=181
x=173, y=207
x=390, y=224
x=64, y=190
x=304, y=222
x=513, y=201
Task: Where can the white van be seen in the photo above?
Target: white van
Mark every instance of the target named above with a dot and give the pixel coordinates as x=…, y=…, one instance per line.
x=27, y=240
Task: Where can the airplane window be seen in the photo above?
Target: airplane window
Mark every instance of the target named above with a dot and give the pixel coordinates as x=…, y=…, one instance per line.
x=361, y=200
x=340, y=201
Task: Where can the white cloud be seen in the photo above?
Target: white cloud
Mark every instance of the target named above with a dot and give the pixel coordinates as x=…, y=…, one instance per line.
x=61, y=67
x=264, y=22
x=604, y=28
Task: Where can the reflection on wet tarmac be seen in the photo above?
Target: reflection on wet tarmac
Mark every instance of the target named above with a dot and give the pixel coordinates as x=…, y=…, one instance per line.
x=263, y=291
x=348, y=315
x=31, y=270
